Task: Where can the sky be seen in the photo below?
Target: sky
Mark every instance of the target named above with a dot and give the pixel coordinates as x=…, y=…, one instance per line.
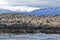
x=33, y=3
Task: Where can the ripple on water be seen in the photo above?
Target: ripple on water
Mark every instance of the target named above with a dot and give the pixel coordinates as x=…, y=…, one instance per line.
x=37, y=36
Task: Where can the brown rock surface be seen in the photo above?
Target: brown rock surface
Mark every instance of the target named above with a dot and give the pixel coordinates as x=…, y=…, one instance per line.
x=10, y=19
x=30, y=22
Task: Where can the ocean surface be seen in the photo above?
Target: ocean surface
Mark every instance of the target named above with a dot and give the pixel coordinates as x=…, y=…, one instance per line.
x=37, y=36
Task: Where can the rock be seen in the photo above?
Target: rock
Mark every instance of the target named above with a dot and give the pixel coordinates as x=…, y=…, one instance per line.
x=15, y=23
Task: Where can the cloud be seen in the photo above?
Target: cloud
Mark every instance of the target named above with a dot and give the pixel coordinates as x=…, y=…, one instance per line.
x=34, y=3
x=2, y=3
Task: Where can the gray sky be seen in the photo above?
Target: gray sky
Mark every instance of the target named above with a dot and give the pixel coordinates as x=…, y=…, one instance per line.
x=34, y=3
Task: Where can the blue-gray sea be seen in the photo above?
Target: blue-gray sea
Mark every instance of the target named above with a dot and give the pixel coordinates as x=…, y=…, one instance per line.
x=37, y=36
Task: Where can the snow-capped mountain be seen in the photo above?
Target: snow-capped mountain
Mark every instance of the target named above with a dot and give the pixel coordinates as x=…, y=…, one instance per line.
x=9, y=9
x=5, y=11
x=45, y=11
x=30, y=10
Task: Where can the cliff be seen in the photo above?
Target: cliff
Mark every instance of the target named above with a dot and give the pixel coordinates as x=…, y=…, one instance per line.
x=26, y=23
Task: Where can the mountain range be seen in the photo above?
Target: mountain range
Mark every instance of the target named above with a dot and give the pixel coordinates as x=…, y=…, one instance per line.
x=30, y=10
x=49, y=10
x=8, y=9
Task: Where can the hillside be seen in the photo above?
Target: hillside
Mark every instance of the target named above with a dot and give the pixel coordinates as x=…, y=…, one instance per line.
x=46, y=11
x=30, y=22
x=10, y=19
x=30, y=10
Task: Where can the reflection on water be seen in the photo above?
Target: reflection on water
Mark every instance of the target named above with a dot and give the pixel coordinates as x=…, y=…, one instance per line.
x=37, y=36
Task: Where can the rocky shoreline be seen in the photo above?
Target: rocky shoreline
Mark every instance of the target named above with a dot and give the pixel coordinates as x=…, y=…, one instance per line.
x=26, y=23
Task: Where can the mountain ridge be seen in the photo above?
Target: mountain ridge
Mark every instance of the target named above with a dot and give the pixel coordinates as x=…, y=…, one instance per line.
x=49, y=10
x=31, y=10
x=19, y=8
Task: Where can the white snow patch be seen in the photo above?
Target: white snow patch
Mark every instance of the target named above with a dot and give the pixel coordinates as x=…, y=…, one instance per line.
x=19, y=8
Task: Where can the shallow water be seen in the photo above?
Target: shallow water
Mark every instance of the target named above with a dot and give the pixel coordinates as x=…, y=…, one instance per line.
x=37, y=36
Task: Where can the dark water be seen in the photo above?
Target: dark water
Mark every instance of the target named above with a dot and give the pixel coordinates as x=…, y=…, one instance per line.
x=37, y=36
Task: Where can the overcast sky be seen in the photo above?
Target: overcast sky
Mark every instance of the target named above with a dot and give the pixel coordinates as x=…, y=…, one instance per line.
x=34, y=3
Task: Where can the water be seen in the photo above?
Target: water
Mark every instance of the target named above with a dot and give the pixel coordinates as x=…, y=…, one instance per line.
x=37, y=36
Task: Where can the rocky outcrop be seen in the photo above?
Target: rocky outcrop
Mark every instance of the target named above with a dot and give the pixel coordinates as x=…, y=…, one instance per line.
x=26, y=23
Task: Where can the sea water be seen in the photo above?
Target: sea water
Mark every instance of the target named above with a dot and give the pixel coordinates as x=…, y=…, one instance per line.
x=37, y=36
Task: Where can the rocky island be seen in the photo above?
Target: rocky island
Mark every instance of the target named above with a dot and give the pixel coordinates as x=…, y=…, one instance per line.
x=27, y=23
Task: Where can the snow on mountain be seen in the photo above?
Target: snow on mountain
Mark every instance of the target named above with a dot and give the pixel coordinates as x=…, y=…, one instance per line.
x=5, y=11
x=18, y=8
x=45, y=11
x=30, y=10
